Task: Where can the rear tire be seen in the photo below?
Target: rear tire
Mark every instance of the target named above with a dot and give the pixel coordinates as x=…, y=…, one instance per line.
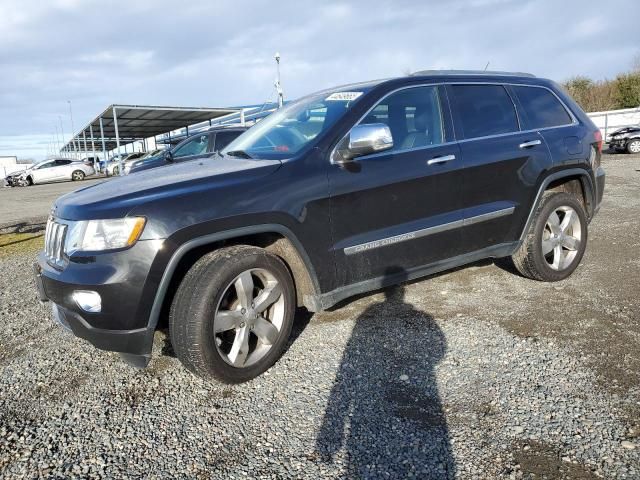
x=634, y=146
x=232, y=314
x=116, y=171
x=77, y=175
x=556, y=240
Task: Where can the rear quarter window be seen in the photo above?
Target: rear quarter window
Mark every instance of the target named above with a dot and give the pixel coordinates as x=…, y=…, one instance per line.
x=541, y=108
x=484, y=110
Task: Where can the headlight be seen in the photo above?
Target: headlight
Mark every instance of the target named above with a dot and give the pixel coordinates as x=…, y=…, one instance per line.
x=96, y=235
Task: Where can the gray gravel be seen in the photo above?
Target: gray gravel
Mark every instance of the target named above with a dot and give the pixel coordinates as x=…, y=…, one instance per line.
x=475, y=374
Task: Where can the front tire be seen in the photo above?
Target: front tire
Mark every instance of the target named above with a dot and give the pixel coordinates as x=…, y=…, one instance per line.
x=556, y=240
x=77, y=175
x=634, y=146
x=232, y=314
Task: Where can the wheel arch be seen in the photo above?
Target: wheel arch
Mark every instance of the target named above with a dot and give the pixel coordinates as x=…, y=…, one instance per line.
x=274, y=238
x=573, y=180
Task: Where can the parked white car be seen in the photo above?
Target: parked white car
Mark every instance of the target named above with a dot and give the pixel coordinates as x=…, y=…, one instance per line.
x=57, y=170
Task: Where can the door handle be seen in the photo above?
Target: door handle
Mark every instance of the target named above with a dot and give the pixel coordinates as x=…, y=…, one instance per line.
x=444, y=158
x=532, y=143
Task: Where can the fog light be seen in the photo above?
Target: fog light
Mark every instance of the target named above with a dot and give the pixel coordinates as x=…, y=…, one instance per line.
x=88, y=301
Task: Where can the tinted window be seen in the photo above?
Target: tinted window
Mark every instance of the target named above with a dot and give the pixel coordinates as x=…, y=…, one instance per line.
x=484, y=110
x=225, y=138
x=63, y=162
x=45, y=165
x=541, y=107
x=413, y=116
x=195, y=146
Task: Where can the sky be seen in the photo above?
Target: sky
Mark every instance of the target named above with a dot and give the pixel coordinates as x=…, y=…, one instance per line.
x=220, y=53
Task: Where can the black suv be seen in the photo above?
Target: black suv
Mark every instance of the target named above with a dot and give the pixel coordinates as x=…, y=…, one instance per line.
x=202, y=144
x=345, y=191
x=627, y=138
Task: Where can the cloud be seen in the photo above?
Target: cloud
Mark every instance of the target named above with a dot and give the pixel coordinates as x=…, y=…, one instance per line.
x=221, y=53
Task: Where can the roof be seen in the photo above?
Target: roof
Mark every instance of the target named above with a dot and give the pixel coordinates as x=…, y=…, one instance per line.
x=136, y=122
x=175, y=139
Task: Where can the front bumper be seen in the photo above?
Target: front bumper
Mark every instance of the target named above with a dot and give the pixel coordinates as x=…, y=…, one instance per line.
x=617, y=143
x=122, y=280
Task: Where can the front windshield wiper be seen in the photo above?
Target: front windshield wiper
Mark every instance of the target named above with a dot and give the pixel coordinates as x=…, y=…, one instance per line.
x=239, y=153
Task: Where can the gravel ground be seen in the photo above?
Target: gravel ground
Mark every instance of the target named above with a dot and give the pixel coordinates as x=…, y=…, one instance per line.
x=24, y=204
x=473, y=374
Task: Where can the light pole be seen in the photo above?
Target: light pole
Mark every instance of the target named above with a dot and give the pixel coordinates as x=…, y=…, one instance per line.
x=61, y=131
x=72, y=127
x=58, y=140
x=278, y=84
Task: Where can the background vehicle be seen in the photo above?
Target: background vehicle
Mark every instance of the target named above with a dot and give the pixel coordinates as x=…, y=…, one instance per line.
x=57, y=170
x=342, y=192
x=113, y=167
x=627, y=138
x=12, y=180
x=198, y=145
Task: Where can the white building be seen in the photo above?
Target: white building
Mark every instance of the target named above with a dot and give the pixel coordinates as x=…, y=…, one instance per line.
x=6, y=160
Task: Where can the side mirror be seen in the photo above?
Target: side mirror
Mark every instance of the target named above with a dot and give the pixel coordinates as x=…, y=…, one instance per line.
x=363, y=140
x=168, y=156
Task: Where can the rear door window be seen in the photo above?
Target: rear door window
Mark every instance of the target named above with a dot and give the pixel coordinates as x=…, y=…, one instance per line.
x=542, y=109
x=484, y=110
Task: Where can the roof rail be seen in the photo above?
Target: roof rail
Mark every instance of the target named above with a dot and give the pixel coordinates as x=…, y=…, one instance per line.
x=470, y=72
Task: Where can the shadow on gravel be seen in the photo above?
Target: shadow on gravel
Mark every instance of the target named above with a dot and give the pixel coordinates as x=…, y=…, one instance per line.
x=23, y=227
x=384, y=411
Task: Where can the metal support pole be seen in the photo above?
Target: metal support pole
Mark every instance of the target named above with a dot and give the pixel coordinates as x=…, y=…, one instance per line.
x=104, y=153
x=242, y=121
x=187, y=133
x=115, y=124
x=93, y=146
x=84, y=138
x=606, y=125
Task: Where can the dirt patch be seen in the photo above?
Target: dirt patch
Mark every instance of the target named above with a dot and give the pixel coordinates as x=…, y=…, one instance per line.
x=17, y=243
x=539, y=460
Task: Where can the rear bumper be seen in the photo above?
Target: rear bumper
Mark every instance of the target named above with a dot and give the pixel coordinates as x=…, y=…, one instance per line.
x=600, y=183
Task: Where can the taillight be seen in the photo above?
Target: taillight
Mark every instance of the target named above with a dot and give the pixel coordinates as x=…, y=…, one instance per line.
x=597, y=137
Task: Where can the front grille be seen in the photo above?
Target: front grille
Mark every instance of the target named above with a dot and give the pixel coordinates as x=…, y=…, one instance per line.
x=54, y=242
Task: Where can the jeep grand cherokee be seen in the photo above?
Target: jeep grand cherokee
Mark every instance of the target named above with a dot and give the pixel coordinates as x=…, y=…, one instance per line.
x=342, y=192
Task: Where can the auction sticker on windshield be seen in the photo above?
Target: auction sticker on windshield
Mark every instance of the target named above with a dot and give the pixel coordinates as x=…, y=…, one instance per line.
x=343, y=96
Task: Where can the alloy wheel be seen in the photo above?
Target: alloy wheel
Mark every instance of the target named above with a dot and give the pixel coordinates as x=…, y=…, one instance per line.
x=634, y=146
x=249, y=317
x=561, y=238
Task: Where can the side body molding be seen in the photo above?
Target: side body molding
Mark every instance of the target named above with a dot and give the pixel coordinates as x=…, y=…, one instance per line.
x=154, y=316
x=587, y=184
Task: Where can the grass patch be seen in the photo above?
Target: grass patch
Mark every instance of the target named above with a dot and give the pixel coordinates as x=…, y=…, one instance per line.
x=17, y=243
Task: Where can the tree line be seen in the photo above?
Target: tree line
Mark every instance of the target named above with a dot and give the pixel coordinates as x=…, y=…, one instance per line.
x=598, y=95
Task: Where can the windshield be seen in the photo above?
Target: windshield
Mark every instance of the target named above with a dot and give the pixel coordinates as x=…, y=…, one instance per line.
x=289, y=130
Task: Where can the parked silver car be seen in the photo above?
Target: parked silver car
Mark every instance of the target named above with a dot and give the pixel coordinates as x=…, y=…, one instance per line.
x=56, y=170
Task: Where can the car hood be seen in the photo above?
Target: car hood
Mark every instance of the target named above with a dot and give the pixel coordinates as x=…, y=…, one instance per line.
x=115, y=198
